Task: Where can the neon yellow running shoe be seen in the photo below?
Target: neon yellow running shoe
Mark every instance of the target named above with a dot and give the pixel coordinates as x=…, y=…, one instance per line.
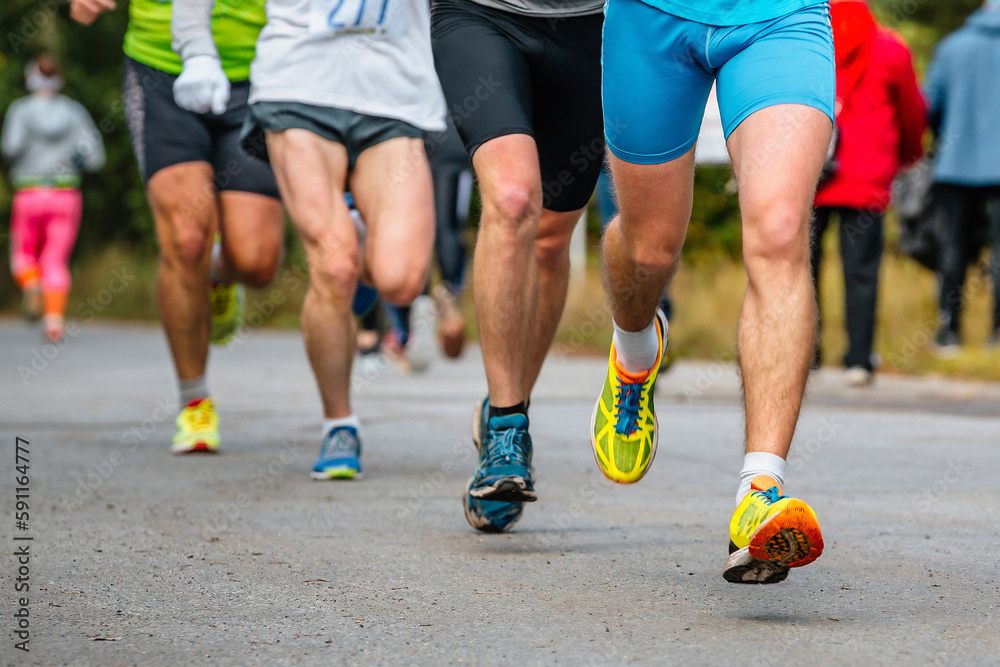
x=197, y=428
x=623, y=425
x=769, y=534
x=227, y=301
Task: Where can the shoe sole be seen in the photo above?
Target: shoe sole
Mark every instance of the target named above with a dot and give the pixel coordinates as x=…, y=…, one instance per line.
x=196, y=448
x=482, y=524
x=336, y=473
x=506, y=490
x=597, y=459
x=791, y=538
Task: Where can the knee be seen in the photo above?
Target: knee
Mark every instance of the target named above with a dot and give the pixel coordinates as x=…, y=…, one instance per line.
x=552, y=249
x=776, y=240
x=514, y=208
x=186, y=240
x=335, y=277
x=400, y=282
x=257, y=266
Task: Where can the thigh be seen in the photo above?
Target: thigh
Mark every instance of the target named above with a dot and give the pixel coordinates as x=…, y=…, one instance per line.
x=568, y=122
x=654, y=201
x=789, y=60
x=235, y=169
x=399, y=213
x=185, y=206
x=63, y=224
x=484, y=75
x=311, y=173
x=654, y=85
x=163, y=134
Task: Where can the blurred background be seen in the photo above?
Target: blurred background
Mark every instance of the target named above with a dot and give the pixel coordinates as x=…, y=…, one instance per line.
x=116, y=232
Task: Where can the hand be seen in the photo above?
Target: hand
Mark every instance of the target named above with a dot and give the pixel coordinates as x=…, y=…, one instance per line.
x=86, y=12
x=202, y=86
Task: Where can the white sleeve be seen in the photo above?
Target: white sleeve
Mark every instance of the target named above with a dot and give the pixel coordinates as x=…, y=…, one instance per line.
x=191, y=28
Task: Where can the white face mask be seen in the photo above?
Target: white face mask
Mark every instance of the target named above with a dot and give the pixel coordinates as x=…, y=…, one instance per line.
x=35, y=81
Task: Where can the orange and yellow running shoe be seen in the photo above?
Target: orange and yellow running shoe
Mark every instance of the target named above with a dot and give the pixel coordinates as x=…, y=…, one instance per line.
x=769, y=534
x=623, y=425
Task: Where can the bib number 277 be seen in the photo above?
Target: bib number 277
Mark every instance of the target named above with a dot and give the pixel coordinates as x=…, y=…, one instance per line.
x=376, y=18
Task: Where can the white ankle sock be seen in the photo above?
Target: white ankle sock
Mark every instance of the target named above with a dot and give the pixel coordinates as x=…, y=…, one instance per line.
x=192, y=389
x=637, y=350
x=330, y=424
x=760, y=463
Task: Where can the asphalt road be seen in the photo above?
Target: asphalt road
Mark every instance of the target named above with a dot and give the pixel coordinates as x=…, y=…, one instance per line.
x=142, y=558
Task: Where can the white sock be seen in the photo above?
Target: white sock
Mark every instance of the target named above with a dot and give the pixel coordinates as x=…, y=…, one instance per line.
x=192, y=389
x=760, y=463
x=637, y=350
x=330, y=424
x=215, y=263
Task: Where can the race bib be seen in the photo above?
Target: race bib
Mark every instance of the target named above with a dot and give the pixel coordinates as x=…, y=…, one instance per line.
x=375, y=18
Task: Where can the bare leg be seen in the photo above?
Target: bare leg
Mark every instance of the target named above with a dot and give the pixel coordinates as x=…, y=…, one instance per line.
x=311, y=174
x=184, y=229
x=552, y=254
x=777, y=155
x=642, y=245
x=505, y=277
x=252, y=227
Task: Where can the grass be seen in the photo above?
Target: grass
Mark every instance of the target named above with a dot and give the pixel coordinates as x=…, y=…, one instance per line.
x=118, y=284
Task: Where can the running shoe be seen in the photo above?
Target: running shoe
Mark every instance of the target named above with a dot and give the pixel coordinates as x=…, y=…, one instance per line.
x=365, y=298
x=339, y=455
x=55, y=327
x=228, y=300
x=31, y=302
x=769, y=534
x=488, y=516
x=420, y=342
x=504, y=471
x=197, y=428
x=623, y=425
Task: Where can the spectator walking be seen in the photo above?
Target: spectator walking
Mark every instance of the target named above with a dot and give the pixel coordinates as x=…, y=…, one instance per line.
x=963, y=93
x=880, y=118
x=49, y=140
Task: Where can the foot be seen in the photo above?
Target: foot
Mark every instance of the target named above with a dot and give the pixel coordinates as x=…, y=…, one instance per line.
x=339, y=455
x=31, y=302
x=197, y=428
x=504, y=471
x=770, y=533
x=55, y=327
x=947, y=343
x=396, y=352
x=420, y=344
x=228, y=300
x=623, y=424
x=488, y=516
x=451, y=322
x=858, y=376
x=365, y=298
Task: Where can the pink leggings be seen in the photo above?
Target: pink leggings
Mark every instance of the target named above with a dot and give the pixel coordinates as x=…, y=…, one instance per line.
x=43, y=227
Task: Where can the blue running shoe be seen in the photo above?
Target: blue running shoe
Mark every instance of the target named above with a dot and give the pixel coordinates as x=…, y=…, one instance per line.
x=488, y=516
x=339, y=455
x=504, y=471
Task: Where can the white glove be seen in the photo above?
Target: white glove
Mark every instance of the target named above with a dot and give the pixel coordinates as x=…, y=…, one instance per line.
x=202, y=86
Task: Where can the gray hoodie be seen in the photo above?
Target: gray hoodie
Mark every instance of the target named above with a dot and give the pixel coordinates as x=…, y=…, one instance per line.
x=50, y=139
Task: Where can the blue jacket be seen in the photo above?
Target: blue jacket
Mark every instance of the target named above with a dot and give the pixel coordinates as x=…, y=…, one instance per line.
x=963, y=99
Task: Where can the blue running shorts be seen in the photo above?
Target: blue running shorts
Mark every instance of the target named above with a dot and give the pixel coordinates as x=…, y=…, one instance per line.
x=658, y=71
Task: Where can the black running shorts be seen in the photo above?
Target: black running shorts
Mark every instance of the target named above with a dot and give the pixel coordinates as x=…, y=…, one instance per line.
x=163, y=134
x=503, y=73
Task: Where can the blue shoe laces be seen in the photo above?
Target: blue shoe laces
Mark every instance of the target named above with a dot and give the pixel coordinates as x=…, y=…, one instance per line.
x=772, y=495
x=506, y=447
x=627, y=405
x=341, y=443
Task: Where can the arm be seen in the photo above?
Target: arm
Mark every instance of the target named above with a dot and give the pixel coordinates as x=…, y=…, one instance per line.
x=15, y=133
x=934, y=91
x=910, y=108
x=202, y=85
x=90, y=144
x=86, y=12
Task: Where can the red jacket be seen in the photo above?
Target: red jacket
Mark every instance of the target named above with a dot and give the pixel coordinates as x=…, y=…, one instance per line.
x=881, y=120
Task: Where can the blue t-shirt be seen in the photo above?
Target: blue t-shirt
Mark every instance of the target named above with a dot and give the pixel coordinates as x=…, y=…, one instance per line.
x=731, y=12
